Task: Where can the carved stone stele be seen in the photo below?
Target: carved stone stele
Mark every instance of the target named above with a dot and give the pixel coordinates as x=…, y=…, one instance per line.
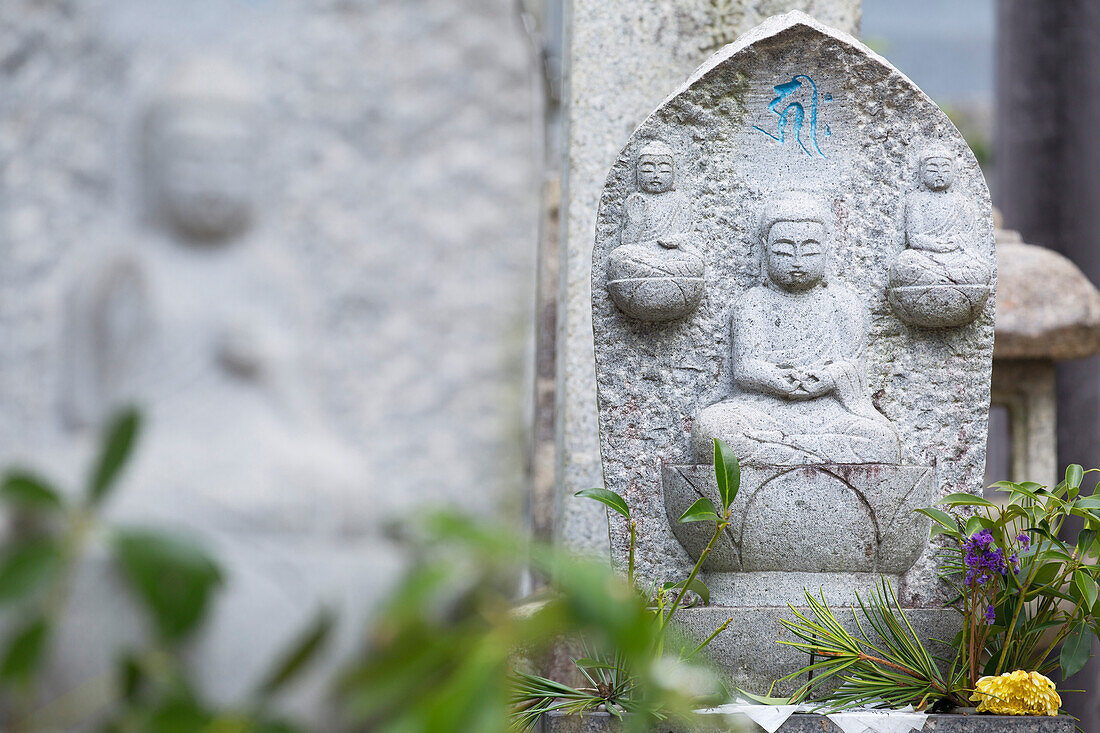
x=795, y=146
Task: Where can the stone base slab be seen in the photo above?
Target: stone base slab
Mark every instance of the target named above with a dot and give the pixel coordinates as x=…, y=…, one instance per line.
x=808, y=723
x=747, y=653
x=780, y=588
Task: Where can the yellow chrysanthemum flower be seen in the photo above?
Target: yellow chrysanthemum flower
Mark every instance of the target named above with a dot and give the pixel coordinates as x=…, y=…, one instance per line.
x=1017, y=693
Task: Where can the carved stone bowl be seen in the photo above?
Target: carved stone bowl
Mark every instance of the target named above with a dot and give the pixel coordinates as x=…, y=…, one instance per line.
x=654, y=284
x=829, y=518
x=938, y=305
x=657, y=299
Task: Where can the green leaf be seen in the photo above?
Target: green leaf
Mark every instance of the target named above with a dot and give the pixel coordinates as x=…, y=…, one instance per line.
x=963, y=499
x=701, y=511
x=27, y=567
x=589, y=663
x=608, y=497
x=764, y=699
x=1075, y=650
x=180, y=716
x=121, y=436
x=697, y=586
x=1087, y=586
x=974, y=524
x=942, y=518
x=1084, y=541
x=300, y=653
x=1046, y=574
x=26, y=491
x=727, y=471
x=172, y=577
x=1027, y=489
x=130, y=676
x=24, y=651
x=1074, y=474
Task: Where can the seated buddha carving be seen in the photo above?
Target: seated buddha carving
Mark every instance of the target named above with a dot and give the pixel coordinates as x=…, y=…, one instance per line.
x=801, y=395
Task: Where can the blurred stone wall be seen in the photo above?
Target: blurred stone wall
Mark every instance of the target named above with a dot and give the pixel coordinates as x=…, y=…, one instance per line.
x=397, y=146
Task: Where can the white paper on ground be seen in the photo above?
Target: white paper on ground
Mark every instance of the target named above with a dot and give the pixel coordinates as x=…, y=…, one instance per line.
x=859, y=720
x=879, y=721
x=768, y=717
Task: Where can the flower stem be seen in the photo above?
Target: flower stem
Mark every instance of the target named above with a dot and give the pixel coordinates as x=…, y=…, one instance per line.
x=719, y=527
x=633, y=544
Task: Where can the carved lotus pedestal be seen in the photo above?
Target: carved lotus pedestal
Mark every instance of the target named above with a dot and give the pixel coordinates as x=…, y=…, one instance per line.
x=937, y=305
x=655, y=284
x=834, y=529
x=824, y=519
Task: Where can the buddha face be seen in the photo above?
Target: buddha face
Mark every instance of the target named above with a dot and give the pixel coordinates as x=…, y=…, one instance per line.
x=655, y=173
x=937, y=173
x=795, y=254
x=202, y=169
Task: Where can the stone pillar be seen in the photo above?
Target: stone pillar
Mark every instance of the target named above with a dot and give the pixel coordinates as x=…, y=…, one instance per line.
x=1048, y=168
x=623, y=58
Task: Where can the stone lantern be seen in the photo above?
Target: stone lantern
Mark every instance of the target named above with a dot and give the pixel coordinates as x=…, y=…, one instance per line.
x=1047, y=311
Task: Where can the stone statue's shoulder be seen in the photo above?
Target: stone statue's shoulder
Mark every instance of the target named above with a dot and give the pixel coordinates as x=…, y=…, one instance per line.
x=842, y=292
x=846, y=300
x=92, y=272
x=679, y=198
x=755, y=299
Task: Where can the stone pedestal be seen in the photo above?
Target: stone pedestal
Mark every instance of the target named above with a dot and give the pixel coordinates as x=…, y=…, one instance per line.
x=806, y=723
x=828, y=520
x=746, y=653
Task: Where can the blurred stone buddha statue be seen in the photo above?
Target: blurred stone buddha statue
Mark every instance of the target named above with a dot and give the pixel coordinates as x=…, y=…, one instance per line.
x=798, y=341
x=202, y=324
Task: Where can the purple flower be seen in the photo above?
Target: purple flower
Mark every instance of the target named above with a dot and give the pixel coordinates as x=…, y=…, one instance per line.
x=983, y=562
x=990, y=615
x=1015, y=562
x=1024, y=540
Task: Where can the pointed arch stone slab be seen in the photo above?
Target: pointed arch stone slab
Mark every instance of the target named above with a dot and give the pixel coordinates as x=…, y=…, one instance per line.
x=793, y=105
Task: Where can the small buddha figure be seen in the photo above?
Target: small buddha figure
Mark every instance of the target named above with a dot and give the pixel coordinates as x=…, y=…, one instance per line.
x=937, y=281
x=939, y=228
x=798, y=341
x=656, y=272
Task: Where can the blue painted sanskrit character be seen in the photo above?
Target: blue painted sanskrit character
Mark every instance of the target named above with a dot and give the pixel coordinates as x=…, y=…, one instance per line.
x=786, y=91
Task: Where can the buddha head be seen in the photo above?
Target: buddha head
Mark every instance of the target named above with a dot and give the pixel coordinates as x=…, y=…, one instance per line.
x=656, y=168
x=199, y=152
x=796, y=236
x=937, y=168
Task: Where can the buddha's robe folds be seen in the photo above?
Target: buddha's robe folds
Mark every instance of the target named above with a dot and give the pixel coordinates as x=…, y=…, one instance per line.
x=787, y=349
x=939, y=231
x=656, y=238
